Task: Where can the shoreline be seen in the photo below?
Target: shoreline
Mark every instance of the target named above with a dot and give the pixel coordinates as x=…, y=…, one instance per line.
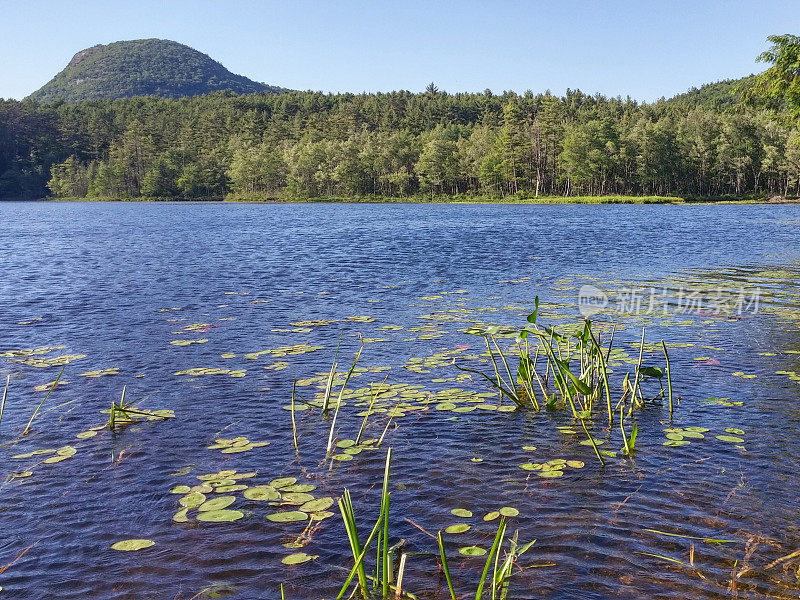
x=483, y=200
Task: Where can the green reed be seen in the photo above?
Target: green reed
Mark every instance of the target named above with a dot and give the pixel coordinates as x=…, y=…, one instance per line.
x=36, y=412
x=5, y=393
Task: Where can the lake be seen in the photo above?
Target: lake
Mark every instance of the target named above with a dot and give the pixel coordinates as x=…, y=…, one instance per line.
x=213, y=311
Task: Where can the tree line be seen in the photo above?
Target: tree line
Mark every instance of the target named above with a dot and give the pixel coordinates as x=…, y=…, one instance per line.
x=312, y=145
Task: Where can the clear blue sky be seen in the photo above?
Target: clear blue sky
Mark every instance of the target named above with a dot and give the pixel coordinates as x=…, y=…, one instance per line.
x=645, y=49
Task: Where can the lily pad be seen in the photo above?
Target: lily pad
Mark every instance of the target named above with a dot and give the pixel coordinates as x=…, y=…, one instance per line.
x=491, y=516
x=283, y=482
x=299, y=487
x=192, y=500
x=321, y=515
x=316, y=505
x=180, y=489
x=730, y=438
x=508, y=511
x=287, y=517
x=576, y=464
x=132, y=545
x=553, y=473
x=296, y=498
x=734, y=431
x=461, y=512
x=298, y=558
x=220, y=516
x=472, y=551
x=262, y=492
x=180, y=516
x=217, y=503
x=457, y=528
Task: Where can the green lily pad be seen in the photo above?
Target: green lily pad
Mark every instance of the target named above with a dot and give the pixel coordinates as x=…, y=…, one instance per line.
x=297, y=498
x=192, y=500
x=180, y=489
x=321, y=515
x=287, y=517
x=472, y=551
x=676, y=437
x=576, y=464
x=529, y=448
x=696, y=435
x=697, y=429
x=316, y=505
x=180, y=516
x=675, y=443
x=86, y=434
x=730, y=438
x=589, y=442
x=530, y=466
x=461, y=512
x=298, y=558
x=734, y=431
x=283, y=482
x=219, y=516
x=509, y=511
x=132, y=545
x=552, y=473
x=345, y=443
x=457, y=528
x=342, y=457
x=262, y=492
x=226, y=489
x=491, y=516
x=217, y=503
x=299, y=487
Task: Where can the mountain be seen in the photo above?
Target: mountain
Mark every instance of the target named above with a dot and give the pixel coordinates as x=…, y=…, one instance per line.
x=149, y=67
x=722, y=94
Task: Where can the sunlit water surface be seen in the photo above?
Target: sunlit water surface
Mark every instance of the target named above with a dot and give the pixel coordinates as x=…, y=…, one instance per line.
x=119, y=282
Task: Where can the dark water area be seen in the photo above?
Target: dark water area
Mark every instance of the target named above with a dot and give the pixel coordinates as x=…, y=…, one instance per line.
x=264, y=293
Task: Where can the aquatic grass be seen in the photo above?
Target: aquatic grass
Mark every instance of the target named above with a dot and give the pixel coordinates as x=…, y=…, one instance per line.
x=294, y=424
x=341, y=394
x=35, y=412
x=3, y=402
x=669, y=376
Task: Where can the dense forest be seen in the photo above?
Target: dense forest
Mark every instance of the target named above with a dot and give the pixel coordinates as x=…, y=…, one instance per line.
x=706, y=143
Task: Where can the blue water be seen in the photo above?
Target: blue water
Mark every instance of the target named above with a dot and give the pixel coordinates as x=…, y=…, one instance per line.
x=119, y=281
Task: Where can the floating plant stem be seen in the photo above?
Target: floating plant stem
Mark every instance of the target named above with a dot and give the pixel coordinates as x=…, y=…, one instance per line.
x=33, y=416
x=326, y=397
x=669, y=376
x=5, y=393
x=373, y=397
x=400, y=570
x=637, y=373
x=294, y=425
x=594, y=445
x=445, y=567
x=604, y=374
x=341, y=394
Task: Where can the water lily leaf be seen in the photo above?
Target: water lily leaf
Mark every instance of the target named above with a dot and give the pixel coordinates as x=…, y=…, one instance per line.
x=509, y=511
x=192, y=500
x=491, y=516
x=472, y=551
x=734, y=431
x=299, y=487
x=316, y=505
x=553, y=473
x=530, y=466
x=343, y=457
x=180, y=489
x=674, y=443
x=180, y=516
x=288, y=516
x=262, y=492
x=86, y=434
x=345, y=443
x=219, y=516
x=576, y=464
x=217, y=503
x=457, y=528
x=321, y=515
x=283, y=482
x=132, y=545
x=730, y=438
x=675, y=436
x=298, y=558
x=461, y=512
x=297, y=498
x=227, y=489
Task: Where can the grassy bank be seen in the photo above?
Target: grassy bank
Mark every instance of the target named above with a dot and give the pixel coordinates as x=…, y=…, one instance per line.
x=461, y=199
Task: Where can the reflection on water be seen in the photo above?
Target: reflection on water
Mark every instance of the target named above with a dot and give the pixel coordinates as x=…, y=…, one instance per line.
x=263, y=293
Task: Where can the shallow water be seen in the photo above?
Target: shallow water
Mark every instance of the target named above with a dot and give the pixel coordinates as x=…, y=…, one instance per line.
x=119, y=282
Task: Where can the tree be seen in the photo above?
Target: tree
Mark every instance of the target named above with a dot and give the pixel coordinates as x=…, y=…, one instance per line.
x=782, y=79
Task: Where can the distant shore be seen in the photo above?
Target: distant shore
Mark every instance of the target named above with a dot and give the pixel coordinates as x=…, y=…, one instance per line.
x=420, y=199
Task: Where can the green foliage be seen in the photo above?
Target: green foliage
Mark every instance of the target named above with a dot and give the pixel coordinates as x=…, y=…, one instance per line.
x=142, y=68
x=782, y=79
x=309, y=145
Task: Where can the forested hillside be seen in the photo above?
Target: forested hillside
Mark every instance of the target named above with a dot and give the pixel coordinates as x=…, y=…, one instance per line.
x=306, y=144
x=149, y=67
